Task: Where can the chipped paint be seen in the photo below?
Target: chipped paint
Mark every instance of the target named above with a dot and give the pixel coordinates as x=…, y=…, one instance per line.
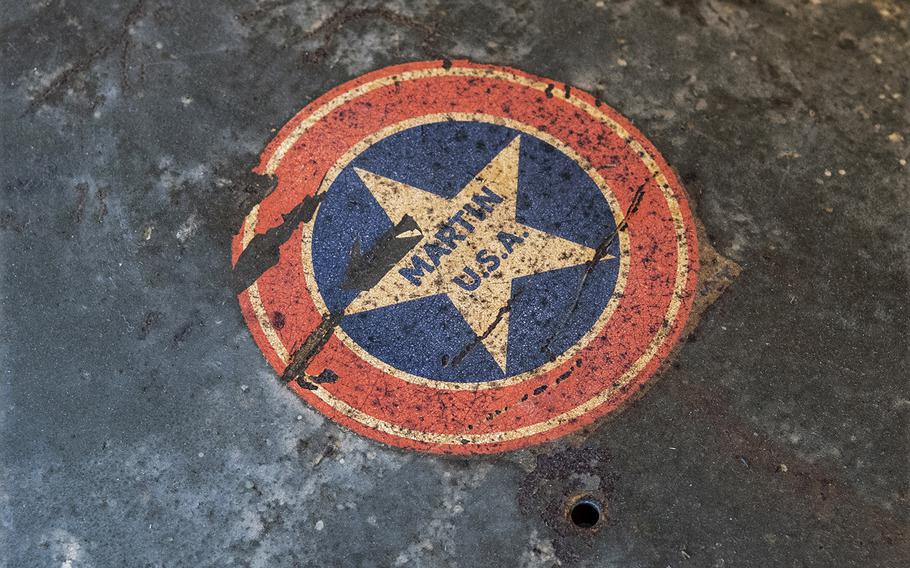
x=455, y=401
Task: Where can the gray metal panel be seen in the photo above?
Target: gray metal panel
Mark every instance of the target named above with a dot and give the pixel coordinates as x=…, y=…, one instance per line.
x=141, y=426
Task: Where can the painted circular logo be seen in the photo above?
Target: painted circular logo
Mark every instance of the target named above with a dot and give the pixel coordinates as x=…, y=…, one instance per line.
x=462, y=258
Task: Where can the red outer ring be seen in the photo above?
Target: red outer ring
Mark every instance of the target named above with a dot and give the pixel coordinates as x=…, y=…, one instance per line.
x=638, y=317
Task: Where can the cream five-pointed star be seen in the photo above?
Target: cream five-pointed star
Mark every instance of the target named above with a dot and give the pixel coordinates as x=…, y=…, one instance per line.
x=472, y=248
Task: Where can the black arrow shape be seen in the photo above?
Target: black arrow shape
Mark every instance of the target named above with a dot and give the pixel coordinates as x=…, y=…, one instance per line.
x=365, y=270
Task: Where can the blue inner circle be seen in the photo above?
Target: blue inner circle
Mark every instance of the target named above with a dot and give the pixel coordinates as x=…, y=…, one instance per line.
x=422, y=337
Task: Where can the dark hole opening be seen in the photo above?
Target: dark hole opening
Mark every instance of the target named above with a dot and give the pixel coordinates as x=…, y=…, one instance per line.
x=585, y=513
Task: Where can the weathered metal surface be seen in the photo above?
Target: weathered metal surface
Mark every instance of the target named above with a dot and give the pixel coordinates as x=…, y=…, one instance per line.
x=141, y=425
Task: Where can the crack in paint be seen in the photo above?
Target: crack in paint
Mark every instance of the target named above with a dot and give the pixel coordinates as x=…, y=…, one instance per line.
x=478, y=339
x=312, y=345
x=599, y=253
x=539, y=390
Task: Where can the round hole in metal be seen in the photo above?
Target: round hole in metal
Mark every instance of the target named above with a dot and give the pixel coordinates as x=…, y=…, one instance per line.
x=585, y=513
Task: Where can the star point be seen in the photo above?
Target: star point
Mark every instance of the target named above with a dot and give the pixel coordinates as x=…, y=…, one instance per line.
x=472, y=249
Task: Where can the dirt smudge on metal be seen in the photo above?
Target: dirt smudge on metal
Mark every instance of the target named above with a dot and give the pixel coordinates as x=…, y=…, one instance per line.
x=556, y=482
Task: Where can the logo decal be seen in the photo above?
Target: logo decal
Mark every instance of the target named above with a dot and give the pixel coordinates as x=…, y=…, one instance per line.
x=468, y=260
